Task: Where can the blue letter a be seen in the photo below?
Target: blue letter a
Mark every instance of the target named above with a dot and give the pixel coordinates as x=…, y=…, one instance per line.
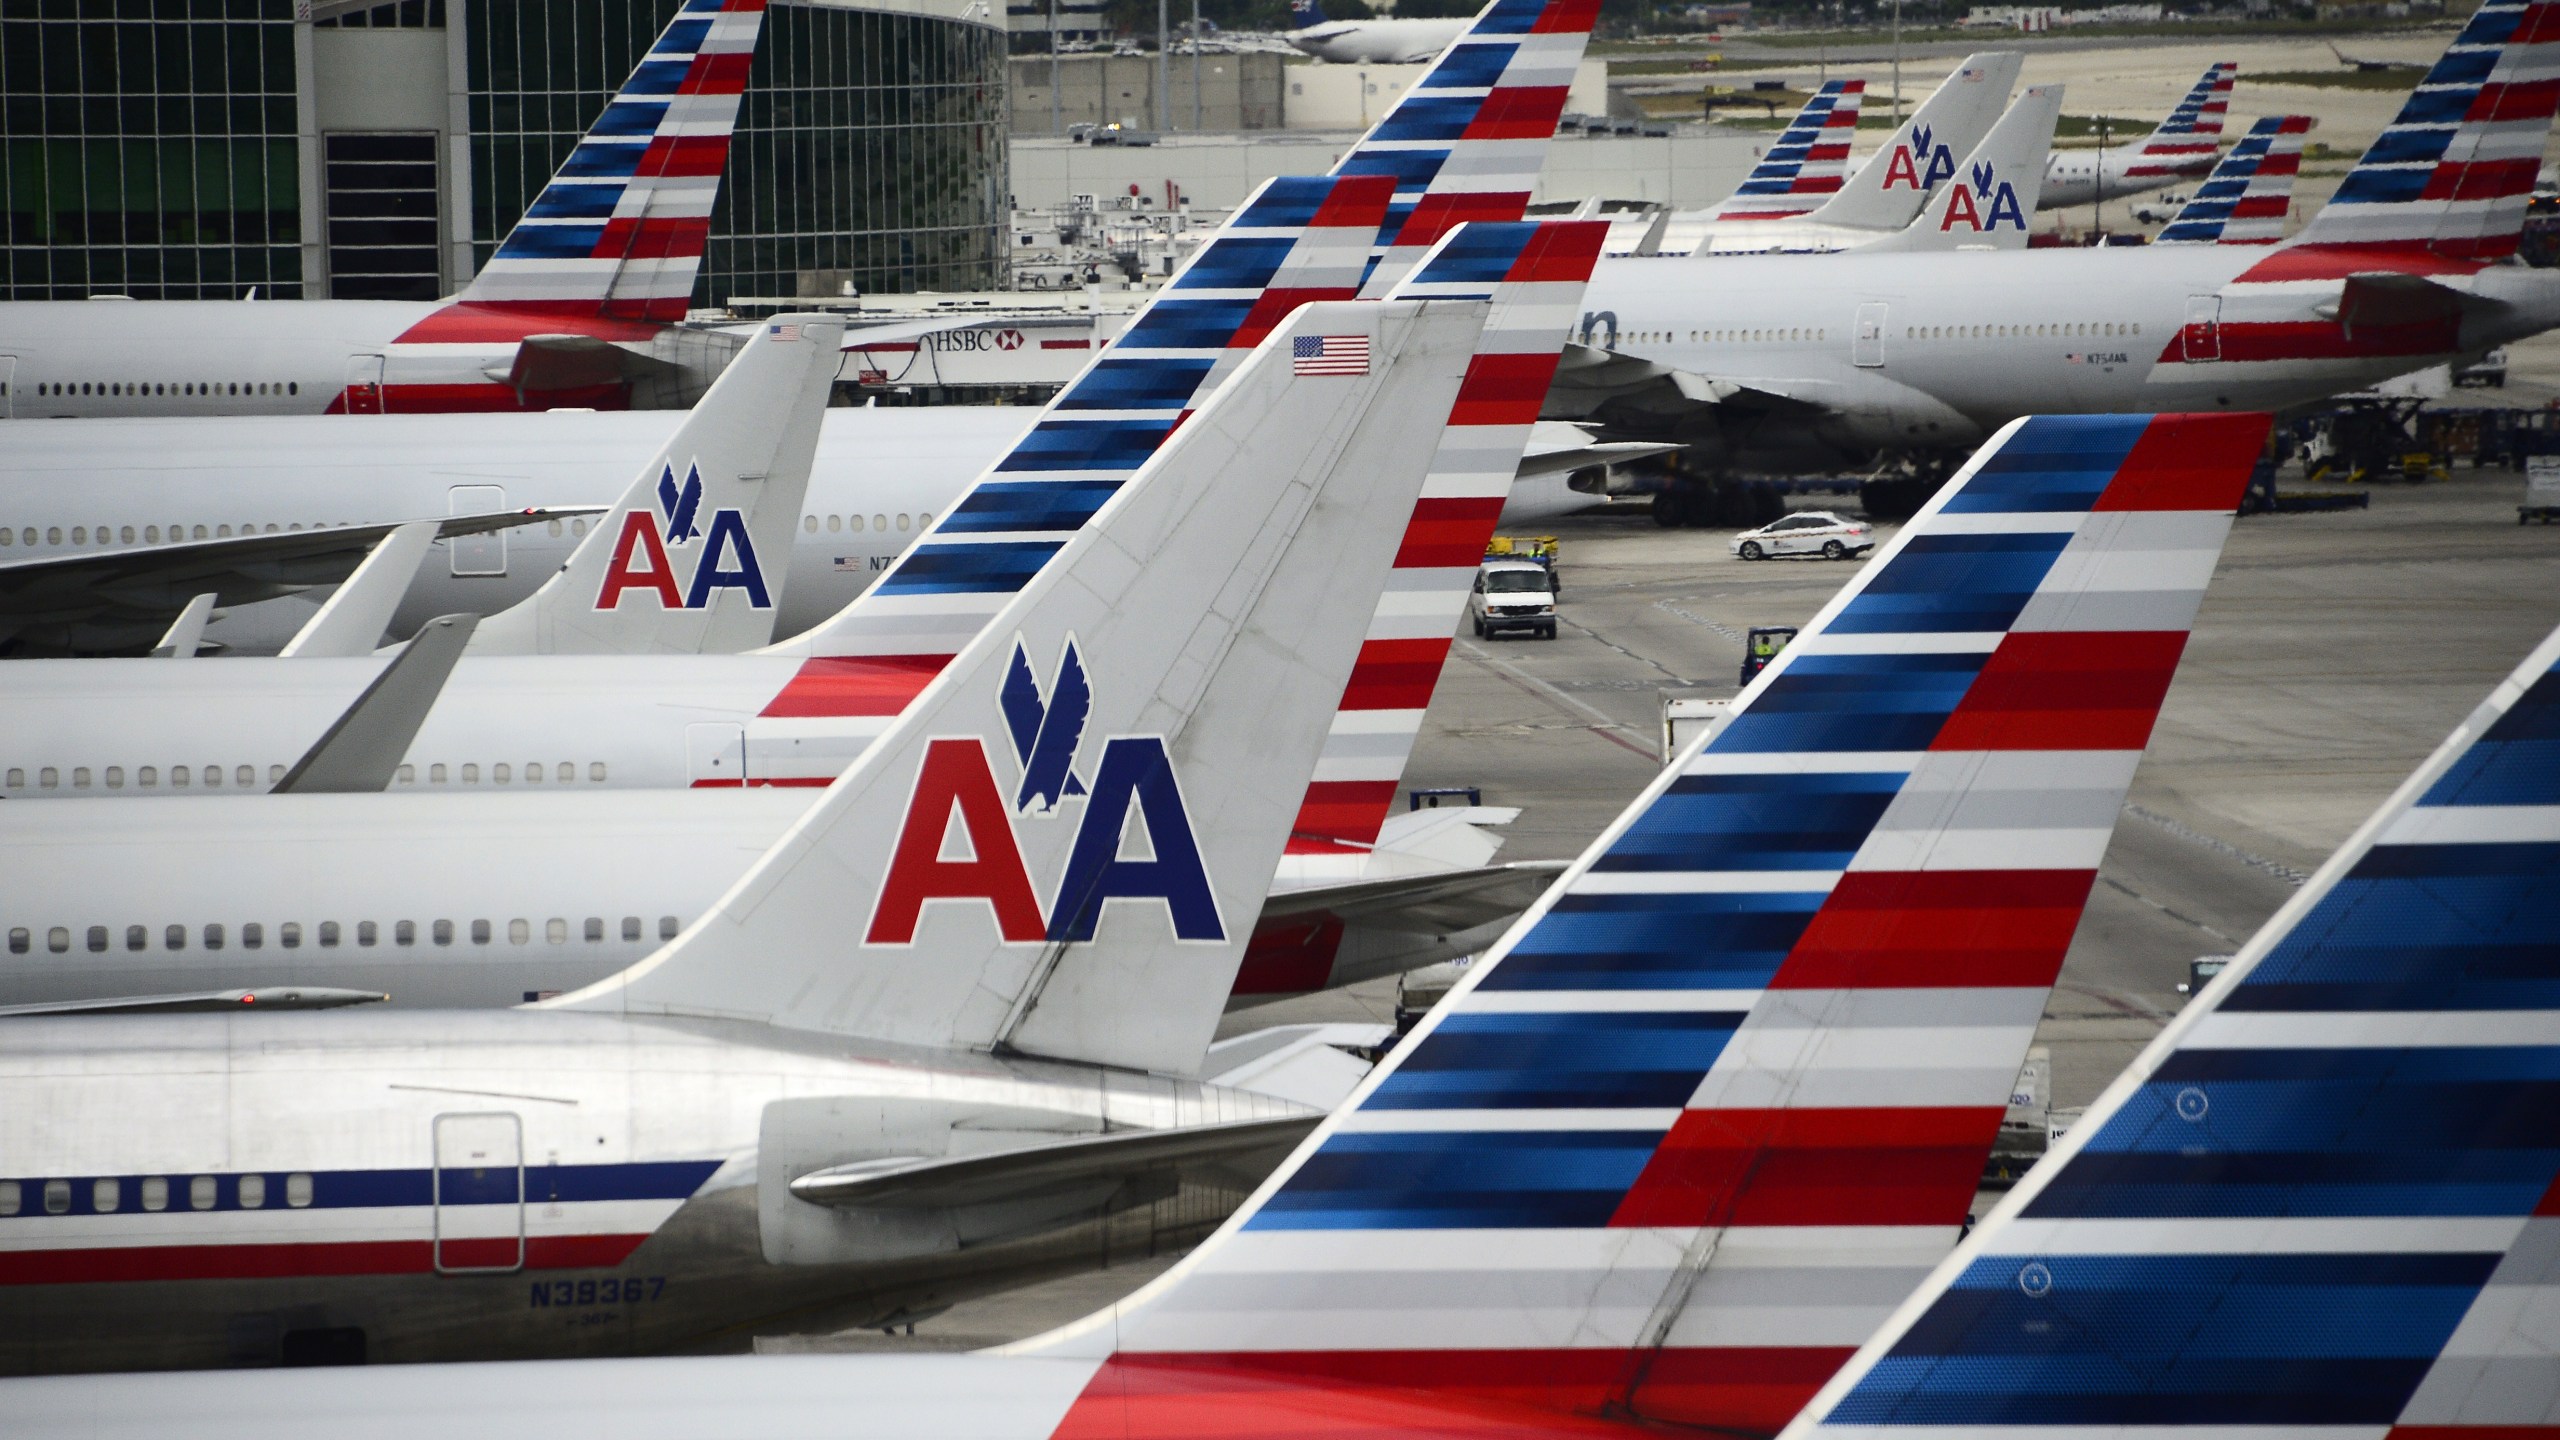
x=1135, y=769
x=728, y=532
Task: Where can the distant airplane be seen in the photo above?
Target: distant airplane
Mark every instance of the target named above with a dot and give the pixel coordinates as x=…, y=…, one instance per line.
x=2366, y=63
x=1369, y=42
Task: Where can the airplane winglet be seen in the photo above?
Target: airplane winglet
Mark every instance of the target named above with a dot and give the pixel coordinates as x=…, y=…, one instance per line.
x=186, y=633
x=352, y=621
x=361, y=751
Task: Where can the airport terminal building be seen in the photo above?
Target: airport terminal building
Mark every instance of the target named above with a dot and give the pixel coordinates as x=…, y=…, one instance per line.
x=194, y=149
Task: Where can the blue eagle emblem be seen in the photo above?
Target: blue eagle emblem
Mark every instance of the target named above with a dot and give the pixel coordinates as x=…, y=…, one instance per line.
x=1046, y=730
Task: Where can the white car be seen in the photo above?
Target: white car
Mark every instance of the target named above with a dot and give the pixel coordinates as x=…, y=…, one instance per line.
x=1807, y=532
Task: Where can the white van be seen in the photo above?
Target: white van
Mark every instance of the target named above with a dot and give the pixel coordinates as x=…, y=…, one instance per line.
x=1513, y=595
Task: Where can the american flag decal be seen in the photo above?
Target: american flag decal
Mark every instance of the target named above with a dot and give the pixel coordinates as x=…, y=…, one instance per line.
x=1330, y=355
x=784, y=332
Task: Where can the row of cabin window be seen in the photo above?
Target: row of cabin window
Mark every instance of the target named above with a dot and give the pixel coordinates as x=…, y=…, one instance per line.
x=2079, y=329
x=1696, y=337
x=253, y=935
x=119, y=387
x=204, y=1192
x=150, y=534
x=837, y=524
x=147, y=777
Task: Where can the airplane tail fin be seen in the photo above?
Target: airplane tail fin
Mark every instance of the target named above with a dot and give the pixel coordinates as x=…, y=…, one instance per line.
x=2453, y=174
x=2245, y=200
x=1534, y=273
x=1466, y=143
x=2326, y=1199
x=619, y=230
x=1809, y=162
x=1305, y=13
x=1689, y=1131
x=1887, y=192
x=978, y=878
x=679, y=564
x=2184, y=143
x=1994, y=193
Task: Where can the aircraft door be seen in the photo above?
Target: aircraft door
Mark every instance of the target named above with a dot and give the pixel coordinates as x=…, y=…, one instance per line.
x=364, y=385
x=483, y=554
x=8, y=387
x=716, y=754
x=1866, y=342
x=479, y=1193
x=2203, y=333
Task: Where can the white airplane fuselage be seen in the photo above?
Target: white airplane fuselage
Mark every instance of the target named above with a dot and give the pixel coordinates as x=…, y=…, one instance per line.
x=1936, y=350
x=201, y=1191
x=1377, y=42
x=97, y=358
x=89, y=486
x=2075, y=177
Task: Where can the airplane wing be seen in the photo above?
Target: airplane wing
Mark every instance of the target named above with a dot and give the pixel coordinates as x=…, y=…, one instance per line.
x=1440, y=902
x=1555, y=447
x=1605, y=385
x=955, y=1182
x=122, y=600
x=196, y=1002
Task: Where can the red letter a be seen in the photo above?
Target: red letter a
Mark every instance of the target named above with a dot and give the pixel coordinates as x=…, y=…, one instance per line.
x=1899, y=170
x=955, y=775
x=657, y=576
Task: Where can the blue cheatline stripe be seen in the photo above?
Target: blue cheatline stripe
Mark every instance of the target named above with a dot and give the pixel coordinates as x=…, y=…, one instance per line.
x=2381, y=187
x=1754, y=822
x=2172, y=1340
x=2408, y=147
x=630, y=117
x=1004, y=505
x=1171, y=324
x=377, y=1189
x=560, y=201
x=998, y=567
x=1136, y=384
x=2517, y=762
x=1713, y=941
x=1412, y=169
x=1236, y=262
x=1429, y=117
x=551, y=242
x=2058, y=467
x=1480, y=254
x=1950, y=583
x=1470, y=66
x=1865, y=702
x=2432, y=107
x=1290, y=202
x=592, y=161
x=1441, y=1181
x=2507, y=864
x=657, y=77
x=682, y=37
x=2464, y=68
x=1510, y=17
x=1087, y=445
x=1591, y=1060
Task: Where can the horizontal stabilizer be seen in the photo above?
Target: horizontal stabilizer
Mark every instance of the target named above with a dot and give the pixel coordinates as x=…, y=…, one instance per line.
x=574, y=362
x=936, y=1182
x=274, y=997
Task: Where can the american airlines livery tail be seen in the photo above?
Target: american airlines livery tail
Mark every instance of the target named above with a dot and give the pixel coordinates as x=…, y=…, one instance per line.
x=1807, y=162
x=1986, y=205
x=678, y=565
x=573, y=309
x=2451, y=176
x=1679, y=1141
x=989, y=951
x=2184, y=144
x=2246, y=199
x=1887, y=192
x=2325, y=1202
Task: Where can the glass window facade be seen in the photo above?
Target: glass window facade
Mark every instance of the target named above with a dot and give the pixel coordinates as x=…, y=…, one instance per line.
x=380, y=193
x=147, y=148
x=870, y=150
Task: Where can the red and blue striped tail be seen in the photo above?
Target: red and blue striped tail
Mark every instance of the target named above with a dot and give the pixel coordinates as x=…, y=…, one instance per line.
x=2453, y=174
x=618, y=233
x=2245, y=200
x=1808, y=162
x=1466, y=143
x=2206, y=107
x=1534, y=273
x=2326, y=1201
x=1721, y=1098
